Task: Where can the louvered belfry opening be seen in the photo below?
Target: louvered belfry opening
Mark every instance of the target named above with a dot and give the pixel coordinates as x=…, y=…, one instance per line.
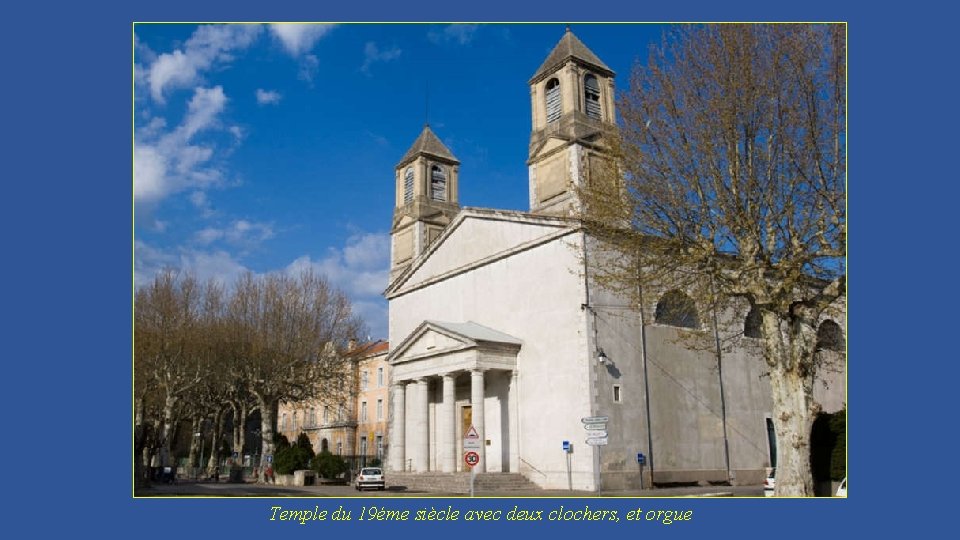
x=438, y=184
x=592, y=96
x=554, y=108
x=408, y=185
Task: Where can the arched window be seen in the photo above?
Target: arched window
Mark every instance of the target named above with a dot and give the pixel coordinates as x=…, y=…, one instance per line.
x=591, y=95
x=438, y=183
x=408, y=185
x=554, y=108
x=751, y=325
x=829, y=337
x=677, y=309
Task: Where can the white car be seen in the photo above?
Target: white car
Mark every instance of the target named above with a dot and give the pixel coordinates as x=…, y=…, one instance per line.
x=770, y=483
x=842, y=490
x=370, y=477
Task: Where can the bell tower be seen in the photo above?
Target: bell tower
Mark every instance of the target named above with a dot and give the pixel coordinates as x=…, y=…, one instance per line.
x=572, y=106
x=427, y=195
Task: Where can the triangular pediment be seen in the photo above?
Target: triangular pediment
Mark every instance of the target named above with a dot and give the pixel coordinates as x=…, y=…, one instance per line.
x=477, y=237
x=437, y=338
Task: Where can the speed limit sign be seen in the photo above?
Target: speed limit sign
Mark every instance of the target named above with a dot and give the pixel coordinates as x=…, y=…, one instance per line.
x=471, y=458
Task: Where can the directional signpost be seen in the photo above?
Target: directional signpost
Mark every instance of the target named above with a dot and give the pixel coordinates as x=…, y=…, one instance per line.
x=596, y=428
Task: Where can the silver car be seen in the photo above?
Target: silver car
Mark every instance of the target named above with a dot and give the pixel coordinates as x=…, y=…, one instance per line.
x=370, y=477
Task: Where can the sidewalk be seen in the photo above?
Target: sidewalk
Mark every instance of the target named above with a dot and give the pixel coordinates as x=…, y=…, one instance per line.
x=192, y=488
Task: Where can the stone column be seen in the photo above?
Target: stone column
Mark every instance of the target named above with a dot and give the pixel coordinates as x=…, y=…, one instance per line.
x=514, y=420
x=421, y=435
x=446, y=427
x=397, y=441
x=476, y=402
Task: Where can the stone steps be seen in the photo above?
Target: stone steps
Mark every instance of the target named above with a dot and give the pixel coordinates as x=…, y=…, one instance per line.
x=460, y=482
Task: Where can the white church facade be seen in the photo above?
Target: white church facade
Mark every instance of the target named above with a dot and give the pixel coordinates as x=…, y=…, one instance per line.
x=494, y=322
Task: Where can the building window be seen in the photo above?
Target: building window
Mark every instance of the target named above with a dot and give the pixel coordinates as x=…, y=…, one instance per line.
x=616, y=394
x=283, y=422
x=408, y=185
x=677, y=309
x=379, y=409
x=380, y=377
x=339, y=448
x=554, y=107
x=363, y=411
x=312, y=419
x=438, y=183
x=829, y=337
x=326, y=414
x=340, y=412
x=379, y=446
x=364, y=380
x=294, y=421
x=591, y=96
x=324, y=445
x=363, y=446
x=751, y=325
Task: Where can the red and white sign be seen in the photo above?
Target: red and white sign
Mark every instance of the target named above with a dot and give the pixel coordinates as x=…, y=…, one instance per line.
x=472, y=433
x=471, y=458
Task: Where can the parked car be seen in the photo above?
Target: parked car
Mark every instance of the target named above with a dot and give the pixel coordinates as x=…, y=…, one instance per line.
x=370, y=477
x=842, y=490
x=770, y=483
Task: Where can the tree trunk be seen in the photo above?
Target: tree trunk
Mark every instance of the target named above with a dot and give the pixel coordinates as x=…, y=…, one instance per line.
x=194, y=459
x=268, y=414
x=793, y=420
x=169, y=424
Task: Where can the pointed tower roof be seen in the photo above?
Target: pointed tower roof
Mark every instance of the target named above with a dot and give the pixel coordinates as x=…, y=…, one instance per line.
x=569, y=47
x=427, y=143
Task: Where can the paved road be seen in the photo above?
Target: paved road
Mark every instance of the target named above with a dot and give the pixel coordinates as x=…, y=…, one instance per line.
x=189, y=488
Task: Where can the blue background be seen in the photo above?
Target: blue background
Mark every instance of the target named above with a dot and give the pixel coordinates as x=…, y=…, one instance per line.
x=67, y=279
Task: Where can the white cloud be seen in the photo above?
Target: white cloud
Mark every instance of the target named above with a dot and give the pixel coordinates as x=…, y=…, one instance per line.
x=208, y=45
x=267, y=97
x=240, y=233
x=169, y=162
x=458, y=33
x=217, y=265
x=372, y=54
x=299, y=38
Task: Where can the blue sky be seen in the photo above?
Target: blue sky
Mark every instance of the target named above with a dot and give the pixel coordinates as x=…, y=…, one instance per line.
x=272, y=147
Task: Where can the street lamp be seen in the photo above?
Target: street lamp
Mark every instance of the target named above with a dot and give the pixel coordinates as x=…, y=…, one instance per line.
x=602, y=357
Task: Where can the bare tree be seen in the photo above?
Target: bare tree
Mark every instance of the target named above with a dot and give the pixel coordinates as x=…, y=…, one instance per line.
x=730, y=184
x=288, y=333
x=167, y=365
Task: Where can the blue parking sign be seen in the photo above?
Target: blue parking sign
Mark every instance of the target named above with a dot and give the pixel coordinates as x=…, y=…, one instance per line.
x=641, y=459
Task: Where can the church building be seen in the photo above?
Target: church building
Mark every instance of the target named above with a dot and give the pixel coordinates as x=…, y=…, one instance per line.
x=495, y=323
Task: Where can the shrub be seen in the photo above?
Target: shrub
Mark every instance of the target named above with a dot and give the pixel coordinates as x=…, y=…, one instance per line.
x=288, y=458
x=328, y=465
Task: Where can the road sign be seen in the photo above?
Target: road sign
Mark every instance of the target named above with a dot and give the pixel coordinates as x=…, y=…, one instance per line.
x=641, y=459
x=269, y=458
x=594, y=419
x=471, y=444
x=595, y=426
x=471, y=458
x=566, y=446
x=596, y=433
x=472, y=434
x=597, y=441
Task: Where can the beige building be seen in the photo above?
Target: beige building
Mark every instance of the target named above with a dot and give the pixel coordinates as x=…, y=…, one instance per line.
x=354, y=428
